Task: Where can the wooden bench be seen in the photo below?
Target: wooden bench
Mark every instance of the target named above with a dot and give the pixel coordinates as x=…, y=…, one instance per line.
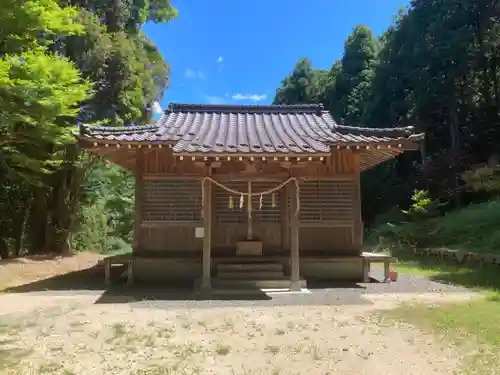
x=119, y=260
x=369, y=258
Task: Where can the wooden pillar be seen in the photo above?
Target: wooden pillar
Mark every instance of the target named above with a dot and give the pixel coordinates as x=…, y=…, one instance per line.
x=107, y=271
x=139, y=188
x=285, y=217
x=357, y=236
x=294, y=239
x=206, y=282
x=138, y=215
x=249, y=213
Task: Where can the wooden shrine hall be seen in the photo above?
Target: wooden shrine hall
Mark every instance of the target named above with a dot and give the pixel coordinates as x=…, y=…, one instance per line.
x=228, y=195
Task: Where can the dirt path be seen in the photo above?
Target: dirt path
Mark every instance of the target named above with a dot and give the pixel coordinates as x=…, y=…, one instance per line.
x=62, y=331
x=72, y=335
x=15, y=272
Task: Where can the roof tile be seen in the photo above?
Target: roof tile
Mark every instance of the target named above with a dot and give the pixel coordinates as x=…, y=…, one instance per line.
x=200, y=128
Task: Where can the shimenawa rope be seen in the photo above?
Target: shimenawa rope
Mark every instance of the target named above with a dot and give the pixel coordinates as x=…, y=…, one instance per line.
x=249, y=195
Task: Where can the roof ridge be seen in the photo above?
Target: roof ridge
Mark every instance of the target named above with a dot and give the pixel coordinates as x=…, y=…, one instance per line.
x=245, y=108
x=407, y=130
x=89, y=129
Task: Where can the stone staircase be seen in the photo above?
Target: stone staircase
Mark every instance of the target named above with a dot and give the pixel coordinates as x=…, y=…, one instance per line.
x=263, y=275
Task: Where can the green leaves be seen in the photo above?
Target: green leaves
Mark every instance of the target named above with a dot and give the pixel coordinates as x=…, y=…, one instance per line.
x=301, y=86
x=39, y=91
x=29, y=23
x=422, y=206
x=128, y=71
x=62, y=62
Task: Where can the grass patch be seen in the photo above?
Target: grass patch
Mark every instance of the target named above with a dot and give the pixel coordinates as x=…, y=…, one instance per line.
x=10, y=358
x=469, y=326
x=119, y=330
x=482, y=278
x=474, y=228
x=222, y=349
x=472, y=325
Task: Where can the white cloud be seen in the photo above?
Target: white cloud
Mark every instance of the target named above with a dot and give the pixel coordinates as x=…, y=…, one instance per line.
x=214, y=99
x=156, y=108
x=220, y=63
x=251, y=97
x=190, y=73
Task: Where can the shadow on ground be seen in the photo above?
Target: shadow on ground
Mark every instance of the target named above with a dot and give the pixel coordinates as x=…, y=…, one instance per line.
x=127, y=294
x=317, y=284
x=92, y=280
x=85, y=279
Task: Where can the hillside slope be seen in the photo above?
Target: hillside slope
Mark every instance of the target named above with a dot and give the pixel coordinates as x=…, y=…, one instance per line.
x=475, y=228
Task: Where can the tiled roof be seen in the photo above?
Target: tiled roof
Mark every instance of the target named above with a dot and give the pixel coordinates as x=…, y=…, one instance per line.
x=200, y=128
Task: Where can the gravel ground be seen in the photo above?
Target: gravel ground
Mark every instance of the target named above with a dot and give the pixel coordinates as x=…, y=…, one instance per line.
x=152, y=330
x=72, y=335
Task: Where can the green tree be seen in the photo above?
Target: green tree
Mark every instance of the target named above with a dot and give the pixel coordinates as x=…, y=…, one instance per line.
x=436, y=67
x=353, y=81
x=40, y=93
x=65, y=62
x=297, y=87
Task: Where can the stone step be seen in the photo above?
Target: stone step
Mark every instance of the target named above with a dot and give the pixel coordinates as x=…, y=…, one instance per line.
x=249, y=275
x=229, y=267
x=283, y=283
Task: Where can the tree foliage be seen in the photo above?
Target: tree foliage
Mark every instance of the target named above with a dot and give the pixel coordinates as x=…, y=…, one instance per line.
x=62, y=63
x=436, y=68
x=39, y=91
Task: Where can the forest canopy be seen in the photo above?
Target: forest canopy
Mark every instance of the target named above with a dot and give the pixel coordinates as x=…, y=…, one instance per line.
x=435, y=68
x=67, y=62
x=63, y=63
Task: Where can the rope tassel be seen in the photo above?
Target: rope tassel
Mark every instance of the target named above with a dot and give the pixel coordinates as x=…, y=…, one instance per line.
x=249, y=194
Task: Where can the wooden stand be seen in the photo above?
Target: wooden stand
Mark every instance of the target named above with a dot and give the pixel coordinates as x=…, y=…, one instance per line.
x=369, y=258
x=251, y=248
x=120, y=260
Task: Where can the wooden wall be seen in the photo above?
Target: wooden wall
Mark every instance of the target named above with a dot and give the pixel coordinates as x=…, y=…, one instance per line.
x=170, y=197
x=171, y=210
x=327, y=217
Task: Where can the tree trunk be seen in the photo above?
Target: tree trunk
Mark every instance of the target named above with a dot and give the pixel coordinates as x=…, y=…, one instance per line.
x=21, y=234
x=64, y=201
x=483, y=58
x=39, y=220
x=494, y=77
x=4, y=249
x=455, y=144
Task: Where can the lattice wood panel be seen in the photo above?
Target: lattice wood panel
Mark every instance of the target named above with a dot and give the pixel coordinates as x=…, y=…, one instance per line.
x=170, y=239
x=327, y=201
x=171, y=200
x=327, y=240
x=265, y=214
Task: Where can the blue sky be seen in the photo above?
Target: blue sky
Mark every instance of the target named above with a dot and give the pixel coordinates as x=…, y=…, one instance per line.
x=223, y=51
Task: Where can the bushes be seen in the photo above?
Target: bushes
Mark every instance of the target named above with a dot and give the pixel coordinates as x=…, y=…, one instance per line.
x=423, y=207
x=415, y=228
x=106, y=212
x=96, y=234
x=474, y=228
